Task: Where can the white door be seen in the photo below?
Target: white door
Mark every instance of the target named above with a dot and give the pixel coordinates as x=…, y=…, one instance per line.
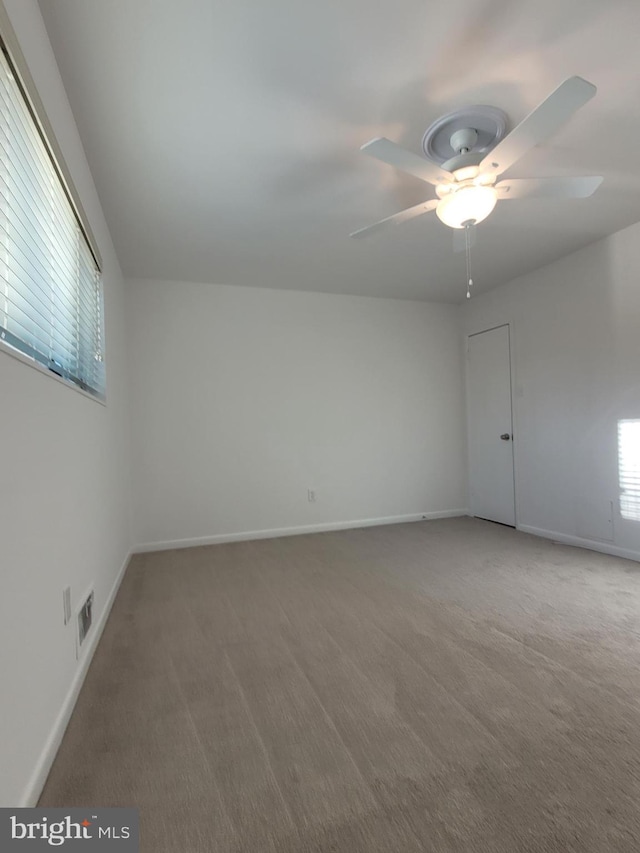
x=490, y=425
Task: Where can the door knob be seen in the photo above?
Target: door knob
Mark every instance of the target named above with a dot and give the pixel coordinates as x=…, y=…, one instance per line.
x=505, y=436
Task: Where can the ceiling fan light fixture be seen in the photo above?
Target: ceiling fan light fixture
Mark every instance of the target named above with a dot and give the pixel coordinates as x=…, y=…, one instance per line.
x=444, y=189
x=468, y=205
x=485, y=180
x=466, y=173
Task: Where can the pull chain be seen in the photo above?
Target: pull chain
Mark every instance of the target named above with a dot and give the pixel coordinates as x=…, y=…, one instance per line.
x=467, y=247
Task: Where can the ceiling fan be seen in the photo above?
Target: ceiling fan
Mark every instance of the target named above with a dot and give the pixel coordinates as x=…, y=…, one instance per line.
x=466, y=183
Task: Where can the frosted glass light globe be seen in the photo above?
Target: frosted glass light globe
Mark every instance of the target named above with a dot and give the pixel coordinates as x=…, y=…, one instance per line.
x=468, y=204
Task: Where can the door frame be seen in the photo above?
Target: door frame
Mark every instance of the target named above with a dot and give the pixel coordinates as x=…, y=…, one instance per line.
x=514, y=409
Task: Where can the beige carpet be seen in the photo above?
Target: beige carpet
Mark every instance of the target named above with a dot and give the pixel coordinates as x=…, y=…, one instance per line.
x=446, y=686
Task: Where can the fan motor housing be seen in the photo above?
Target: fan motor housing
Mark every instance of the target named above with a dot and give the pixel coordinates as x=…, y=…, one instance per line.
x=461, y=161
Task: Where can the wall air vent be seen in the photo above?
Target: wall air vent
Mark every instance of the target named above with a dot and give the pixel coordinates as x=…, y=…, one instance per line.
x=85, y=617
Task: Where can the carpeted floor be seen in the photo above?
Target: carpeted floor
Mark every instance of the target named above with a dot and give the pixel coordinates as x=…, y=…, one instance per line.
x=445, y=686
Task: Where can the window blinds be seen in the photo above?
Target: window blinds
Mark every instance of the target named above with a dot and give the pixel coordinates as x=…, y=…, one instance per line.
x=629, y=468
x=50, y=286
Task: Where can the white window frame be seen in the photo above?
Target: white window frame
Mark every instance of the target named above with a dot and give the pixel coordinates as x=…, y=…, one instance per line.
x=19, y=69
x=629, y=468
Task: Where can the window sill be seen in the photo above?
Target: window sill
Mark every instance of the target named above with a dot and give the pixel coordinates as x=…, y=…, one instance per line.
x=30, y=362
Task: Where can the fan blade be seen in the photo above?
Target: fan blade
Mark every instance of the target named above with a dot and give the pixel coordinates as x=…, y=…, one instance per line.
x=395, y=155
x=539, y=125
x=548, y=187
x=460, y=237
x=397, y=218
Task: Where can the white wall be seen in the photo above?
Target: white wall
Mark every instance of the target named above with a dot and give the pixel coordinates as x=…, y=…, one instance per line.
x=576, y=350
x=64, y=504
x=244, y=398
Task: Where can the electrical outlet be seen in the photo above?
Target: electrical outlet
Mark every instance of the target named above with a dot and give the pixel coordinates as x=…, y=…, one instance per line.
x=311, y=495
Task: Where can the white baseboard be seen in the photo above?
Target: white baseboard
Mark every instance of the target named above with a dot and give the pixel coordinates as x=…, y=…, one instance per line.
x=38, y=778
x=590, y=544
x=274, y=533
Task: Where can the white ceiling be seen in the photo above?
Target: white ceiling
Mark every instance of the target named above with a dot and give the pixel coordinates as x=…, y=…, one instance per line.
x=223, y=135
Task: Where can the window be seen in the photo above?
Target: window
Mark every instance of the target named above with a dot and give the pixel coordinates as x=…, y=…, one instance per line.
x=629, y=468
x=50, y=284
